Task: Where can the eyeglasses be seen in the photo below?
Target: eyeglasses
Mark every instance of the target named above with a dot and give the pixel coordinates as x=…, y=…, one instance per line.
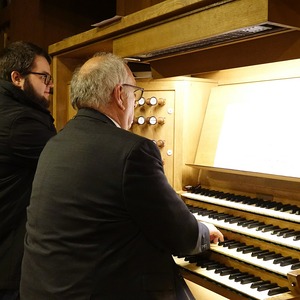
x=46, y=77
x=138, y=91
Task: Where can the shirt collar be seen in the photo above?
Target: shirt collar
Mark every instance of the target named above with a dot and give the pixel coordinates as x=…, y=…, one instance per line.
x=114, y=121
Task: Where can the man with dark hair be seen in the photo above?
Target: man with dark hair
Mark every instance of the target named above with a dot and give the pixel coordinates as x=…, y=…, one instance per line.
x=25, y=126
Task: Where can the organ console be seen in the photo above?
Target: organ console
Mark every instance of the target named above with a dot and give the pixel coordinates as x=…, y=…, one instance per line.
x=260, y=256
x=258, y=213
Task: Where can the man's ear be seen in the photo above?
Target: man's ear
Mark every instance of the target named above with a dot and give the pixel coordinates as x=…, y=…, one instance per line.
x=118, y=94
x=17, y=79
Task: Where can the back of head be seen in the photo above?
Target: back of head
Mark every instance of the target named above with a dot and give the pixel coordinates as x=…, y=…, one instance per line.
x=93, y=83
x=19, y=56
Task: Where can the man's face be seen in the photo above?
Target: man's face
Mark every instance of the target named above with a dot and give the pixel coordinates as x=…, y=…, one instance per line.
x=34, y=84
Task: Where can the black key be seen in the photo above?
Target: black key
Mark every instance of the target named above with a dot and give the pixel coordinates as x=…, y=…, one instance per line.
x=235, y=275
x=232, y=220
x=235, y=245
x=263, y=254
x=203, y=212
x=278, y=290
x=289, y=262
x=205, y=263
x=261, y=227
x=248, y=201
x=249, y=280
x=229, y=271
x=281, y=259
x=251, y=223
x=278, y=206
x=228, y=242
x=224, y=242
x=213, y=215
x=224, y=195
x=255, y=225
x=253, y=201
x=192, y=209
x=239, y=249
x=267, y=286
x=238, y=198
x=264, y=204
x=244, y=276
x=219, y=270
x=283, y=231
x=295, y=210
x=250, y=250
x=213, y=266
x=286, y=207
x=261, y=203
x=271, y=204
x=295, y=266
x=244, y=223
x=296, y=238
x=271, y=256
x=278, y=230
x=268, y=229
x=258, y=283
x=258, y=252
x=291, y=233
x=222, y=217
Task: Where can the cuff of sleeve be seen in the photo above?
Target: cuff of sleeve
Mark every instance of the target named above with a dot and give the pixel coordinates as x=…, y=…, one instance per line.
x=203, y=242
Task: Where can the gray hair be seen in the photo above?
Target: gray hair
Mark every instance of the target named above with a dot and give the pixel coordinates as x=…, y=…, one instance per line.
x=94, y=88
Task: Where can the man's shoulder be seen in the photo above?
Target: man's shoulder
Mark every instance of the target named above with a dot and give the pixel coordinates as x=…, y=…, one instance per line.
x=14, y=110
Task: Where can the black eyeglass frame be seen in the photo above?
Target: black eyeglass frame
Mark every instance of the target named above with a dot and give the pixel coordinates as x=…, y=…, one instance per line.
x=47, y=77
x=137, y=88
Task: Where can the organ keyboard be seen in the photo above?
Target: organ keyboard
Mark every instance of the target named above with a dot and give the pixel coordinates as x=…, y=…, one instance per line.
x=260, y=256
x=255, y=205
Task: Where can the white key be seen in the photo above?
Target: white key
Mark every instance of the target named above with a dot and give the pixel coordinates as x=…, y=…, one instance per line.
x=245, y=207
x=246, y=257
x=245, y=288
x=267, y=236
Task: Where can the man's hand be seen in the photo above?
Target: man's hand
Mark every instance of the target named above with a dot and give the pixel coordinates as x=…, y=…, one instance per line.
x=215, y=234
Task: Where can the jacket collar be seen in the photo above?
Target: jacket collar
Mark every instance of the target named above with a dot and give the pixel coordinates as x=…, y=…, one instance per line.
x=95, y=114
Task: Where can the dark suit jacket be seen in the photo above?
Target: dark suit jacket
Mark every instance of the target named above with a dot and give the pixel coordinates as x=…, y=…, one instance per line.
x=103, y=220
x=25, y=128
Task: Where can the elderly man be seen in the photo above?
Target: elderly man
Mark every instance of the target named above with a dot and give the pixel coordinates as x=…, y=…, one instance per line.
x=103, y=221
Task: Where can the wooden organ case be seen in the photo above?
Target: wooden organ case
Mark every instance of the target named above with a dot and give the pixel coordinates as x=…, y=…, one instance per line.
x=251, y=195
x=255, y=207
x=260, y=256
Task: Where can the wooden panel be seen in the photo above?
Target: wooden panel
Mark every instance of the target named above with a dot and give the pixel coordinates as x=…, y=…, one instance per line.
x=187, y=113
x=160, y=12
x=196, y=26
x=62, y=69
x=278, y=47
